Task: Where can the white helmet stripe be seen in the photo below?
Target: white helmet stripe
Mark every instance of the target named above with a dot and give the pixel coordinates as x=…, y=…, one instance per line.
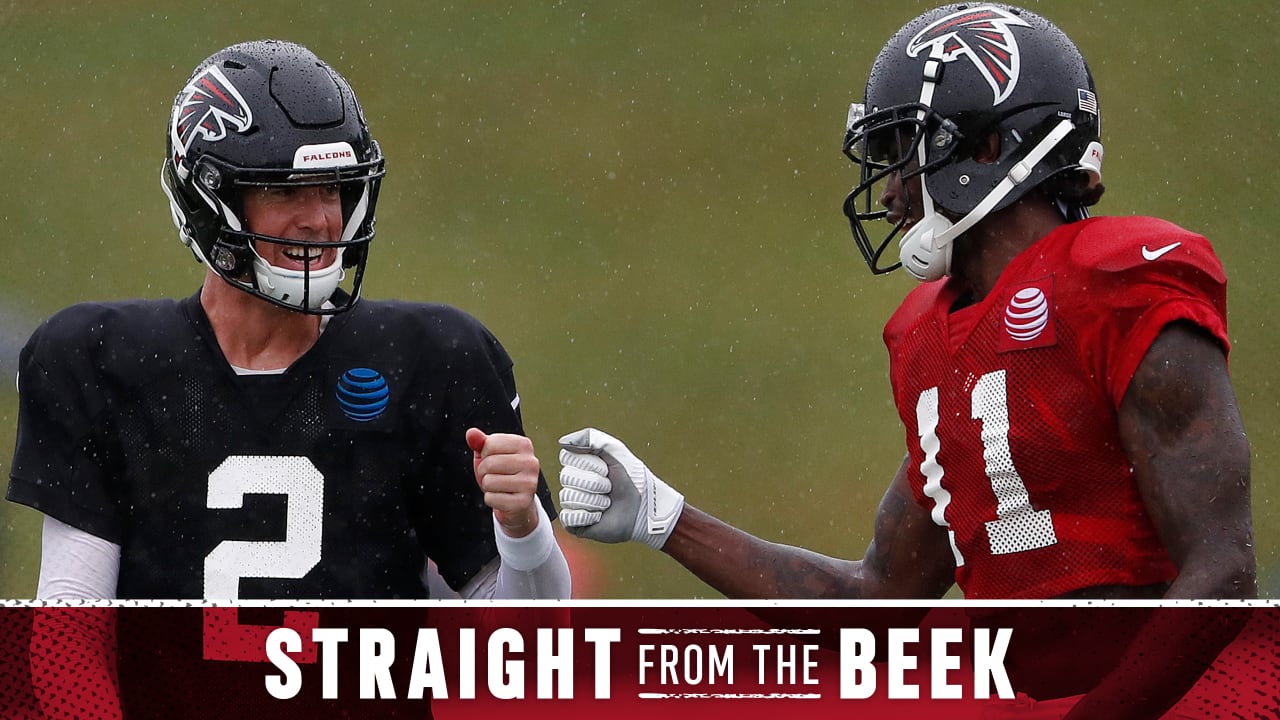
x=357, y=215
x=932, y=71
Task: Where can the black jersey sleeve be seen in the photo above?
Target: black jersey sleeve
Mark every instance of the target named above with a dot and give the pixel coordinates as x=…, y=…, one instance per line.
x=60, y=466
x=457, y=527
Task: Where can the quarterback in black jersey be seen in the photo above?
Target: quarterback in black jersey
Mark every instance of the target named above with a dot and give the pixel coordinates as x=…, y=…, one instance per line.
x=274, y=436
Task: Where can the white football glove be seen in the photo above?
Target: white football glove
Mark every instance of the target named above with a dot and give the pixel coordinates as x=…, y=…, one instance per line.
x=607, y=494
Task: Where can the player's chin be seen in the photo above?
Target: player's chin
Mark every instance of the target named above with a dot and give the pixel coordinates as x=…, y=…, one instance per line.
x=905, y=215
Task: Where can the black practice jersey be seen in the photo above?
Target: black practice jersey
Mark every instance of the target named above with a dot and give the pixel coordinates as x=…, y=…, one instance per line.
x=335, y=479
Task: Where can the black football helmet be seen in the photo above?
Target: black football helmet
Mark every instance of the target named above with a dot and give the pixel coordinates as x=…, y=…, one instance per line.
x=940, y=87
x=271, y=113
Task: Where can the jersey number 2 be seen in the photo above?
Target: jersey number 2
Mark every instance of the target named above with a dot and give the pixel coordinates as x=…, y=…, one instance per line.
x=1018, y=526
x=302, y=484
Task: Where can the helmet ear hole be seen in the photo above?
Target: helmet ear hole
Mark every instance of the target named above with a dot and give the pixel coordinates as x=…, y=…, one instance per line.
x=987, y=150
x=233, y=261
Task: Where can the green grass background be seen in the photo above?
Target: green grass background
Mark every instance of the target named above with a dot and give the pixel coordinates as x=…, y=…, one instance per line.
x=642, y=200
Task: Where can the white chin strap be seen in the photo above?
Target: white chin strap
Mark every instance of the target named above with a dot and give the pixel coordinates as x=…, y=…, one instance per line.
x=925, y=249
x=291, y=286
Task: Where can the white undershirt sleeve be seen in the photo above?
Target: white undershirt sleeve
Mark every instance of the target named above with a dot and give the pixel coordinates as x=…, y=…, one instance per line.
x=529, y=568
x=76, y=565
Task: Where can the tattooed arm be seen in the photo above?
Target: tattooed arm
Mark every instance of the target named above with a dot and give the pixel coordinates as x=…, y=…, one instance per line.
x=909, y=557
x=1182, y=429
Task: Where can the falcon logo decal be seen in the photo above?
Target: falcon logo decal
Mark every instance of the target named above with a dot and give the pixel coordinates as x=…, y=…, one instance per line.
x=205, y=107
x=985, y=36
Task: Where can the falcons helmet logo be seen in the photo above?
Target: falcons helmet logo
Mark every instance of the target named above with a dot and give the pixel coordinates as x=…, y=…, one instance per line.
x=985, y=36
x=205, y=107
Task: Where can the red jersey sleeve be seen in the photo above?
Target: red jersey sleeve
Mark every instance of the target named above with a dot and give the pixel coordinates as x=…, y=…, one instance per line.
x=1141, y=275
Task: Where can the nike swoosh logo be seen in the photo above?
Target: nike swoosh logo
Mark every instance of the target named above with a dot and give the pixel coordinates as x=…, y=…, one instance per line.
x=1155, y=254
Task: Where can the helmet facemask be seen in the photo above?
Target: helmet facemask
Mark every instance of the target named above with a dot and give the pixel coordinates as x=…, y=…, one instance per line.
x=895, y=141
x=237, y=253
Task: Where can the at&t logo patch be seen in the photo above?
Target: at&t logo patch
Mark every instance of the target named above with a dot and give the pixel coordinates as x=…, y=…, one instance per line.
x=362, y=394
x=1027, y=320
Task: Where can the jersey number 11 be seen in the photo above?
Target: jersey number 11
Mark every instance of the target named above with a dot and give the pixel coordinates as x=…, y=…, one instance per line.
x=1018, y=526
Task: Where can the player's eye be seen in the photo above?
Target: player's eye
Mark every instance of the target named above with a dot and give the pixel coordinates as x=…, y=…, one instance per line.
x=883, y=146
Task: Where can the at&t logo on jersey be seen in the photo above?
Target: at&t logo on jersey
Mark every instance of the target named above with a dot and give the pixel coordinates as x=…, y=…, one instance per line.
x=363, y=394
x=1028, y=317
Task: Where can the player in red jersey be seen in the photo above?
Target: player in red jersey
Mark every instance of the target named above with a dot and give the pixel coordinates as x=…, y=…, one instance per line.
x=1071, y=427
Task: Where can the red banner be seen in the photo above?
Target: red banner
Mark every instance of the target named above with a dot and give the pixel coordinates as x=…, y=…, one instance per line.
x=614, y=662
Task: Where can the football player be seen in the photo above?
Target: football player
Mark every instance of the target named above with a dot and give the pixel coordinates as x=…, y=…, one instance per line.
x=1071, y=428
x=272, y=435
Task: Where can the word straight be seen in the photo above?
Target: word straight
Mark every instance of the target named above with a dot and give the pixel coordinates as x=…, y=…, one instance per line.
x=505, y=671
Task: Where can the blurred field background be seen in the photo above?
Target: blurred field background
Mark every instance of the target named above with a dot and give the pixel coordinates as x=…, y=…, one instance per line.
x=642, y=200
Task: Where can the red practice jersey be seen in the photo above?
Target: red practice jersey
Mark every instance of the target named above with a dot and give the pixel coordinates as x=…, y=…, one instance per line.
x=1010, y=403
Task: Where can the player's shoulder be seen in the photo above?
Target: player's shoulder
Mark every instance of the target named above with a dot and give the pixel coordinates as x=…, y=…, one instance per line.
x=118, y=324
x=437, y=319
x=430, y=329
x=1150, y=246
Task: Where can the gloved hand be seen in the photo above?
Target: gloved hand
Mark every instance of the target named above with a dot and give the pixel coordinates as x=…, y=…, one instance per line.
x=609, y=495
